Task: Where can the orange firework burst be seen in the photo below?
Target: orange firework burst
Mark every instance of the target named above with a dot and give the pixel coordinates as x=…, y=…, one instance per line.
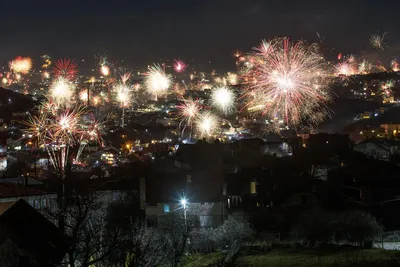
x=21, y=65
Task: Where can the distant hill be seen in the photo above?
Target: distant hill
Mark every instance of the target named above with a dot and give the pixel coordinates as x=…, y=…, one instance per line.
x=12, y=102
x=344, y=111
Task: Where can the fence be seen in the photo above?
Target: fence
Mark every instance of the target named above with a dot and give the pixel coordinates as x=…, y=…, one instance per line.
x=388, y=241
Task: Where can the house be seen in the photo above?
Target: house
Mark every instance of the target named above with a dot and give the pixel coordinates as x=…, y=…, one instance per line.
x=11, y=192
x=380, y=149
x=36, y=241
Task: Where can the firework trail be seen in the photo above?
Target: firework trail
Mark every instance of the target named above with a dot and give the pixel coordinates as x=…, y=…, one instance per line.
x=288, y=81
x=65, y=68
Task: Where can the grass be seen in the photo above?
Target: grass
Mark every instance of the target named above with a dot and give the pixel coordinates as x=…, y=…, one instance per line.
x=203, y=260
x=316, y=257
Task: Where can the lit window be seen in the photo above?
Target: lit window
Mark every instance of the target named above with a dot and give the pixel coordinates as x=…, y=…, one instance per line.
x=253, y=189
x=166, y=208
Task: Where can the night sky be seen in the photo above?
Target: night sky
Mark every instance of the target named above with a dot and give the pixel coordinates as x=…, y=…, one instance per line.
x=142, y=32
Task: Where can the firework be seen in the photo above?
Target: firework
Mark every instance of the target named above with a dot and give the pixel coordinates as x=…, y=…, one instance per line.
x=65, y=68
x=395, y=65
x=21, y=65
x=125, y=77
x=105, y=70
x=223, y=99
x=288, y=81
x=59, y=130
x=189, y=110
x=83, y=95
x=157, y=82
x=387, y=88
x=123, y=94
x=232, y=78
x=207, y=124
x=345, y=68
x=378, y=41
x=364, y=67
x=179, y=66
x=61, y=91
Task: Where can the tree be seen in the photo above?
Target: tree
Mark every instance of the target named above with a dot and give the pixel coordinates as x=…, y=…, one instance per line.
x=94, y=237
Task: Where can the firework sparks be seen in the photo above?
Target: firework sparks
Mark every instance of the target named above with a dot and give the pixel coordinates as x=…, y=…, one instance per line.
x=123, y=94
x=179, y=66
x=125, y=77
x=207, y=124
x=345, y=68
x=395, y=65
x=157, y=82
x=65, y=68
x=189, y=110
x=291, y=81
x=21, y=65
x=83, y=95
x=364, y=67
x=223, y=99
x=61, y=90
x=378, y=41
x=105, y=70
x=232, y=78
x=57, y=131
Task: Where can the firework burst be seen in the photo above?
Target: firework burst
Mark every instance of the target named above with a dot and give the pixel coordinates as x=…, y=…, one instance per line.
x=157, y=82
x=61, y=91
x=65, y=68
x=288, y=81
x=189, y=111
x=179, y=66
x=207, y=124
x=223, y=99
x=57, y=130
x=21, y=65
x=395, y=65
x=378, y=41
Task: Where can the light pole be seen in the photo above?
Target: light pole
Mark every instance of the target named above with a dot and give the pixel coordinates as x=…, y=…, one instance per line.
x=184, y=204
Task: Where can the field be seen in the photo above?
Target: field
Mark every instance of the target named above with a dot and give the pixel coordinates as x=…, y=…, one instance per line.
x=299, y=257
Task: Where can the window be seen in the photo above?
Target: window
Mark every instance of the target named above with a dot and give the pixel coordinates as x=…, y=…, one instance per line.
x=188, y=178
x=166, y=208
x=253, y=189
x=115, y=195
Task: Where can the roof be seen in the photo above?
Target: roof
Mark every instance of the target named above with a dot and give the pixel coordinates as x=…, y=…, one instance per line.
x=33, y=234
x=16, y=190
x=384, y=143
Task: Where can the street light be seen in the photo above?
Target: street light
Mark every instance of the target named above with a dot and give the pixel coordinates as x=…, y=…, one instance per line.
x=184, y=204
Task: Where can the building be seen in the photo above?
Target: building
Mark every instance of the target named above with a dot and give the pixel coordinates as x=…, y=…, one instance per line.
x=380, y=149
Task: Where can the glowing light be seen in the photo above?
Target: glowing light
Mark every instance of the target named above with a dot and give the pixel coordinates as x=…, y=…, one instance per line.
x=223, y=99
x=395, y=65
x=179, y=66
x=61, y=90
x=288, y=81
x=21, y=65
x=157, y=82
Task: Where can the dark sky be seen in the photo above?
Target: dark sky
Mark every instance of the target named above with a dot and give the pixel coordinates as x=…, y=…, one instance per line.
x=143, y=31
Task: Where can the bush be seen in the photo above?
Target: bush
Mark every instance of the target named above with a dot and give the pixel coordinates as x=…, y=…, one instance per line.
x=353, y=227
